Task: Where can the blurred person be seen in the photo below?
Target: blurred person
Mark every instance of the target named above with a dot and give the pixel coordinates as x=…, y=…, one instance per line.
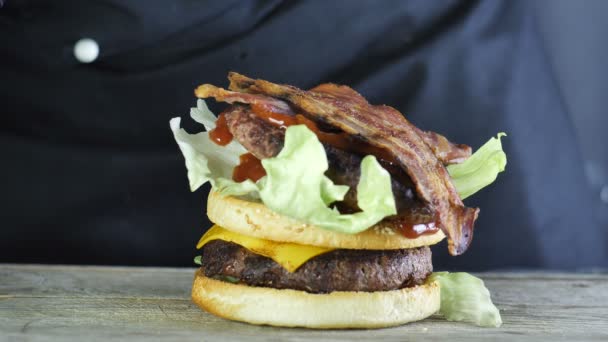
x=91, y=174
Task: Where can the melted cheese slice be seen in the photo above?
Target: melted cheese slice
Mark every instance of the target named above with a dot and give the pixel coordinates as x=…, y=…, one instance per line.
x=289, y=255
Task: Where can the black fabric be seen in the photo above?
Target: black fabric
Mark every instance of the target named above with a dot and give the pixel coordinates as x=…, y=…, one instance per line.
x=91, y=173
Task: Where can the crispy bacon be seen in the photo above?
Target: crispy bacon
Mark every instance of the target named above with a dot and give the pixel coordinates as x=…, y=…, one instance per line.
x=384, y=127
x=222, y=95
x=446, y=151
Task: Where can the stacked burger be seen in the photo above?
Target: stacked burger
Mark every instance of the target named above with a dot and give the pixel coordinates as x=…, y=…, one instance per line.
x=325, y=206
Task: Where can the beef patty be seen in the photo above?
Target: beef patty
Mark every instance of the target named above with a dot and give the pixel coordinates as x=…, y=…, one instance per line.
x=265, y=141
x=338, y=270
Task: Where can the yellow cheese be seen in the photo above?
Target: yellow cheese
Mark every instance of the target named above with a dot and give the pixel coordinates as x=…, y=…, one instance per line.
x=289, y=255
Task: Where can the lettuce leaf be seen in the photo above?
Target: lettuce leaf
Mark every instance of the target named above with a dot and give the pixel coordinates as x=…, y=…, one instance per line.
x=207, y=161
x=295, y=184
x=465, y=298
x=481, y=169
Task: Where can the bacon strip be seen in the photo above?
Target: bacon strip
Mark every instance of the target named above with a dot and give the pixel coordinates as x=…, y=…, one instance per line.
x=384, y=127
x=222, y=95
x=446, y=151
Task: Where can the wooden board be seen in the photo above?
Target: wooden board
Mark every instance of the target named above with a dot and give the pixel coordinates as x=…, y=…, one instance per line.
x=50, y=303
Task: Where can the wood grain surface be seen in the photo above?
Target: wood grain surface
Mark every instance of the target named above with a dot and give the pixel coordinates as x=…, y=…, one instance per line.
x=75, y=303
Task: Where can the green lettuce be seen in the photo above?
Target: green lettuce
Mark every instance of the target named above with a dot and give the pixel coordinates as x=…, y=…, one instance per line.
x=480, y=170
x=465, y=298
x=205, y=160
x=295, y=184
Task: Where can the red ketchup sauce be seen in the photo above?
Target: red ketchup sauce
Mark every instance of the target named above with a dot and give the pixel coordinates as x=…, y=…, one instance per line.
x=339, y=140
x=274, y=118
x=249, y=167
x=221, y=134
x=413, y=231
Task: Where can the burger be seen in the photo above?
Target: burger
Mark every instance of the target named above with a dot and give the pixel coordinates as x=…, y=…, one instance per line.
x=324, y=207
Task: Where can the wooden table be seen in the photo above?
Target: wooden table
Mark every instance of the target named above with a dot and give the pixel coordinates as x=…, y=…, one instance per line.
x=48, y=303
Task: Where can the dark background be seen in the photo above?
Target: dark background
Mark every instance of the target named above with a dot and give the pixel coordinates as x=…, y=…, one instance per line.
x=90, y=173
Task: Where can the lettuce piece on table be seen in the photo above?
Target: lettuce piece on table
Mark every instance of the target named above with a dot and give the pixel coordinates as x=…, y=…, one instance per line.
x=465, y=298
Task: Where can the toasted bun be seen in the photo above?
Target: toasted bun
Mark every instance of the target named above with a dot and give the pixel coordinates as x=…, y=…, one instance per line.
x=255, y=219
x=291, y=308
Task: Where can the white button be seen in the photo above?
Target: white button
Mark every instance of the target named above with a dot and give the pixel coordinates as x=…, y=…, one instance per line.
x=86, y=50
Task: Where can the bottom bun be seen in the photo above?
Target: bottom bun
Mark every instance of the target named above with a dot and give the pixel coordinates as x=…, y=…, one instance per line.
x=291, y=308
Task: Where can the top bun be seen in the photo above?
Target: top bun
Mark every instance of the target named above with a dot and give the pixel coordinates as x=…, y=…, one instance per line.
x=256, y=220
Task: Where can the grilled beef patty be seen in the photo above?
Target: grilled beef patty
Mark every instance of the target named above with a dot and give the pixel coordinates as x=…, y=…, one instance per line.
x=265, y=141
x=338, y=270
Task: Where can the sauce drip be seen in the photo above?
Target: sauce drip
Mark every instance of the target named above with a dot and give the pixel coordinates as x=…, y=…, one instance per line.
x=221, y=134
x=274, y=118
x=339, y=140
x=249, y=167
x=413, y=231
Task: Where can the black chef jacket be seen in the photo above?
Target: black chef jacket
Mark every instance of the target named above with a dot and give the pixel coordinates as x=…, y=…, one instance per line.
x=91, y=174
